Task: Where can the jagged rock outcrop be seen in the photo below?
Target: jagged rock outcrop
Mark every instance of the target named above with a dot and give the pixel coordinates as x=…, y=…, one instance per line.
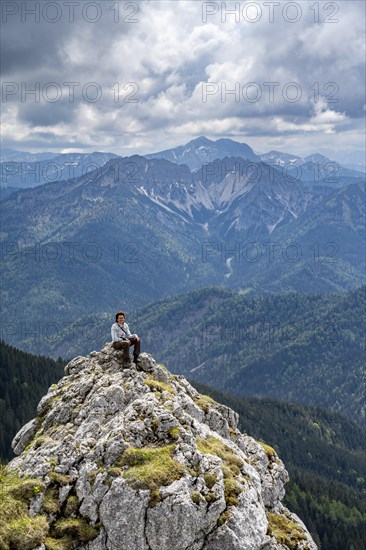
x=136, y=459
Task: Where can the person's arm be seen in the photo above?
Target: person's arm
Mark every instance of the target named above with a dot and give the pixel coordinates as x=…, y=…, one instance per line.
x=127, y=329
x=128, y=332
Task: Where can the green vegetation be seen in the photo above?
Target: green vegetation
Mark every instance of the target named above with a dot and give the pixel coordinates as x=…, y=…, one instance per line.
x=210, y=479
x=25, y=378
x=157, y=385
x=231, y=465
x=25, y=532
x=71, y=506
x=17, y=528
x=174, y=433
x=285, y=530
x=150, y=468
x=196, y=497
x=205, y=402
x=50, y=503
x=224, y=517
x=59, y=479
x=65, y=543
x=75, y=528
x=305, y=348
x=270, y=452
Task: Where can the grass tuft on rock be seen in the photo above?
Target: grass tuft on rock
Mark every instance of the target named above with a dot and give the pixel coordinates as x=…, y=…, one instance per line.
x=151, y=468
x=270, y=452
x=71, y=506
x=17, y=528
x=196, y=497
x=60, y=479
x=231, y=467
x=51, y=503
x=174, y=433
x=224, y=517
x=210, y=479
x=205, y=402
x=285, y=530
x=158, y=386
x=77, y=529
x=66, y=543
x=26, y=533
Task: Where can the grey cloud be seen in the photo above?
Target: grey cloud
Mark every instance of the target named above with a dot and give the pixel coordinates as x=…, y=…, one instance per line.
x=47, y=114
x=108, y=52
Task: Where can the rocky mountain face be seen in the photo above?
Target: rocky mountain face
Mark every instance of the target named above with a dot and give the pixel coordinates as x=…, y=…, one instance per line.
x=132, y=457
x=36, y=170
x=313, y=170
x=202, y=150
x=13, y=155
x=152, y=228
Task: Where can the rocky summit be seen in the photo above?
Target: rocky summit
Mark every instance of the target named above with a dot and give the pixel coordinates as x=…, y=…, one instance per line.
x=131, y=457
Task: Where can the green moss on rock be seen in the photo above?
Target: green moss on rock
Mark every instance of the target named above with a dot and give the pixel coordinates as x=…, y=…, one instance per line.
x=78, y=529
x=17, y=528
x=196, y=497
x=231, y=467
x=210, y=479
x=150, y=468
x=205, y=402
x=158, y=386
x=285, y=530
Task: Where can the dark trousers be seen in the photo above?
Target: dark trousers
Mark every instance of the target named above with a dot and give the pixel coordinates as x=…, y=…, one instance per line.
x=125, y=346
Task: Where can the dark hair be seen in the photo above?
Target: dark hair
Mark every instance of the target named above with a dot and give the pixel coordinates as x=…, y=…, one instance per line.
x=120, y=313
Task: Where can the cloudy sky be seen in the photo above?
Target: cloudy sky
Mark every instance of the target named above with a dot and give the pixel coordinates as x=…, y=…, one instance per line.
x=141, y=76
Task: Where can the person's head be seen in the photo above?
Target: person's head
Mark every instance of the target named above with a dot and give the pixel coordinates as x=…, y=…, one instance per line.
x=120, y=317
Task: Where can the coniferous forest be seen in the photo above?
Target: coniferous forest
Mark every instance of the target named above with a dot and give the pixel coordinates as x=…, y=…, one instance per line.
x=25, y=378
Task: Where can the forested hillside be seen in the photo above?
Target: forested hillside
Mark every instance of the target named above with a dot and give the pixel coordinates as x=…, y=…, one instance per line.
x=25, y=378
x=305, y=348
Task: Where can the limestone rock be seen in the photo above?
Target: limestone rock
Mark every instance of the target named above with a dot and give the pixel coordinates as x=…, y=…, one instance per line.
x=133, y=457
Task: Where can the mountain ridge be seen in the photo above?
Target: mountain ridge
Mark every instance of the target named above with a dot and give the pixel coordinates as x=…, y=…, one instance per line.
x=113, y=451
x=231, y=227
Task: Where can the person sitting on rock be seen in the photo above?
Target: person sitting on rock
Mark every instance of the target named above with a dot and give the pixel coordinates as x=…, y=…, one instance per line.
x=122, y=338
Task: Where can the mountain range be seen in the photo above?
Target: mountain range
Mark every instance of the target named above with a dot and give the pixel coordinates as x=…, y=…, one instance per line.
x=139, y=229
x=21, y=170
x=41, y=168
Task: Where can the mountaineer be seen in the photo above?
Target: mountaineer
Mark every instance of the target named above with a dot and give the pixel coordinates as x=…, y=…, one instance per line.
x=122, y=338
